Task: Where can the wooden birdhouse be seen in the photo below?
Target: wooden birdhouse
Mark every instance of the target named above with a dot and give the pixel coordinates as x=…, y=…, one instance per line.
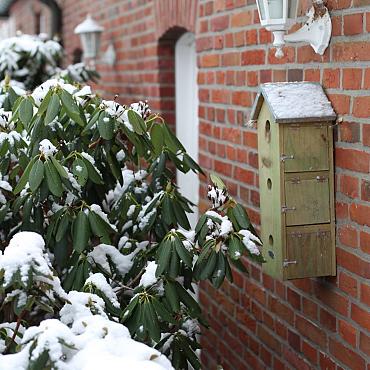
x=296, y=177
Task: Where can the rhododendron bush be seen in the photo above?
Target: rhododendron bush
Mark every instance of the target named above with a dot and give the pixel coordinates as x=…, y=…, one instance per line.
x=98, y=262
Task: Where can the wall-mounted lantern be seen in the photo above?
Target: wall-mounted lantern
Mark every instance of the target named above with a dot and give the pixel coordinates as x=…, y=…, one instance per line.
x=90, y=32
x=278, y=16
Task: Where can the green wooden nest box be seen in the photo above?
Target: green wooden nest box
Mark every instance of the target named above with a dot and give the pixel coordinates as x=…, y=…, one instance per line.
x=296, y=177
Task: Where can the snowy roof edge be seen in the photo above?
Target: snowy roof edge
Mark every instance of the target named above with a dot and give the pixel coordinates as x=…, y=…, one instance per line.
x=262, y=96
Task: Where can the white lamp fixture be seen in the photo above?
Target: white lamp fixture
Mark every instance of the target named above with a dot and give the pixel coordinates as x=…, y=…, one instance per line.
x=279, y=15
x=90, y=32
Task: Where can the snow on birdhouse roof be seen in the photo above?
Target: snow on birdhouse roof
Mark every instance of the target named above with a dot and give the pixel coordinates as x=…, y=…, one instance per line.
x=294, y=102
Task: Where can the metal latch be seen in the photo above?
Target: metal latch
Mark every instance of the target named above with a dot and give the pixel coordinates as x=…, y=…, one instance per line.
x=284, y=157
x=286, y=263
x=321, y=178
x=285, y=209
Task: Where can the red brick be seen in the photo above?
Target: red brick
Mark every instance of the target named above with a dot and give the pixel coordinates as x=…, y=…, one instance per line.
x=365, y=344
x=351, y=159
x=327, y=320
x=220, y=23
x=336, y=22
x=350, y=51
x=281, y=310
x=253, y=57
x=309, y=352
x=230, y=59
x=340, y=103
x=367, y=75
x=346, y=355
x=365, y=242
x=365, y=190
x=312, y=75
x=352, y=78
x=245, y=176
x=348, y=236
x=311, y=331
x=366, y=134
x=360, y=214
x=309, y=308
x=251, y=37
x=326, y=362
x=232, y=135
x=269, y=339
x=353, y=263
x=348, y=284
x=295, y=361
x=331, y=78
x=250, y=139
x=353, y=24
x=211, y=60
x=365, y=294
x=349, y=186
x=361, y=107
x=361, y=316
x=349, y=132
x=223, y=168
x=347, y=332
x=242, y=19
x=242, y=98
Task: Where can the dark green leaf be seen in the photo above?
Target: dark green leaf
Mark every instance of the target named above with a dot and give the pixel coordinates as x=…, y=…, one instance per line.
x=172, y=296
x=183, y=253
x=163, y=257
x=24, y=178
x=36, y=175
x=62, y=172
x=81, y=232
x=53, y=109
x=53, y=179
x=71, y=108
x=80, y=171
x=136, y=121
x=26, y=111
x=106, y=126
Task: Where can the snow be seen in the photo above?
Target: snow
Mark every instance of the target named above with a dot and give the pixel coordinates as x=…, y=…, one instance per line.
x=91, y=343
x=291, y=100
x=47, y=148
x=80, y=305
x=25, y=252
x=99, y=281
x=149, y=278
x=97, y=209
x=99, y=256
x=223, y=229
x=249, y=240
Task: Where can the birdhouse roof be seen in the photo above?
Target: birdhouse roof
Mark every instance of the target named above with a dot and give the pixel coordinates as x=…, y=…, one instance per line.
x=294, y=102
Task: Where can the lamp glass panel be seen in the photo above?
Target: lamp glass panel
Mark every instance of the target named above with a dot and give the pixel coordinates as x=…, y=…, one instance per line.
x=275, y=9
x=262, y=10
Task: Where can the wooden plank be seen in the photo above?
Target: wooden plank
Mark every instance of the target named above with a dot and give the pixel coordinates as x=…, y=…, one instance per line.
x=270, y=191
x=308, y=144
x=309, y=251
x=307, y=198
x=332, y=200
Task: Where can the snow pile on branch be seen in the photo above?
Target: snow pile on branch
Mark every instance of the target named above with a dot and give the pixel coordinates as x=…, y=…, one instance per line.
x=93, y=342
x=25, y=259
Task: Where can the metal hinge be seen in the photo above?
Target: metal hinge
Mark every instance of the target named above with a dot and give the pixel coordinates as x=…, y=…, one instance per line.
x=295, y=180
x=284, y=157
x=286, y=263
x=285, y=209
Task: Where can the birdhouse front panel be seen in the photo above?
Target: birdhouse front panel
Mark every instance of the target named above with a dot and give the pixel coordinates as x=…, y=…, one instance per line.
x=296, y=177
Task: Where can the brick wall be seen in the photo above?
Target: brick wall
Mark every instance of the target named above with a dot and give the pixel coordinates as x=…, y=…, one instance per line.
x=258, y=323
